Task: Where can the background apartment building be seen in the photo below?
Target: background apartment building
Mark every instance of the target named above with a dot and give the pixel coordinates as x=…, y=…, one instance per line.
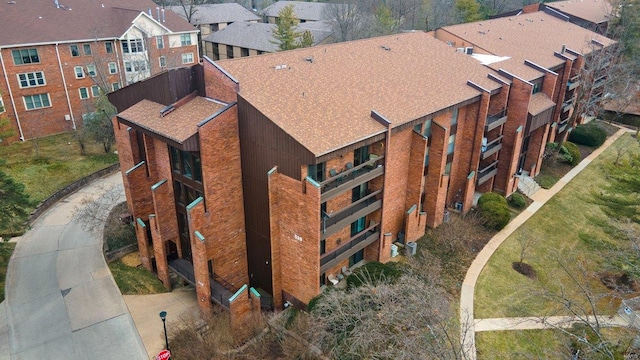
x=53, y=68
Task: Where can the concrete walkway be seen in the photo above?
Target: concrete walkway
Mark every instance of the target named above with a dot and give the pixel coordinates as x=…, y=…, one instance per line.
x=467, y=320
x=551, y=322
x=61, y=300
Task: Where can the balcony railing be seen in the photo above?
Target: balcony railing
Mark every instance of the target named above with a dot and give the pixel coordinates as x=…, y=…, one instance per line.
x=492, y=147
x=351, y=178
x=562, y=126
x=221, y=290
x=331, y=224
x=572, y=84
x=487, y=172
x=355, y=244
x=567, y=105
x=495, y=120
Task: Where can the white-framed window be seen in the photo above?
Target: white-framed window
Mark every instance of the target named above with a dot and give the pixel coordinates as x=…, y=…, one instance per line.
x=160, y=42
x=84, y=93
x=135, y=66
x=31, y=79
x=187, y=58
x=95, y=91
x=79, y=72
x=113, y=68
x=452, y=144
x=38, y=101
x=2, y=108
x=133, y=46
x=86, y=48
x=91, y=70
x=25, y=56
x=74, y=50
x=163, y=61
x=115, y=86
x=185, y=39
x=108, y=46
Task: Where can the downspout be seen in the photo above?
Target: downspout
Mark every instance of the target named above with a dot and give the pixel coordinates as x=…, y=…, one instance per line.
x=116, y=45
x=66, y=91
x=13, y=103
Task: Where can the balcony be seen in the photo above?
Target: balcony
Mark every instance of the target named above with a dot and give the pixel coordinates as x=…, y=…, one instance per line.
x=221, y=290
x=331, y=224
x=562, y=126
x=355, y=244
x=487, y=172
x=492, y=147
x=572, y=84
x=493, y=121
x=351, y=178
x=567, y=105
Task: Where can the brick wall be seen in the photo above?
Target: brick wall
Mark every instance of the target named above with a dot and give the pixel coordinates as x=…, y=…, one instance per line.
x=414, y=228
x=218, y=85
x=437, y=183
x=295, y=237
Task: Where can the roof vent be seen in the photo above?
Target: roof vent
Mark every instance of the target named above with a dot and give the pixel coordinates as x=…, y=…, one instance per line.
x=386, y=47
x=167, y=110
x=11, y=2
x=564, y=48
x=281, y=67
x=309, y=59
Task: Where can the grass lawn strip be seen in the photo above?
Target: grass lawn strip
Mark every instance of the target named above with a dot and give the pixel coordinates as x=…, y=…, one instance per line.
x=135, y=280
x=5, y=254
x=502, y=292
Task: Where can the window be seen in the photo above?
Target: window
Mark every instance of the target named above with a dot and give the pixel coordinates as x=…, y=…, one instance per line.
x=323, y=247
x=185, y=39
x=426, y=157
x=31, y=79
x=163, y=61
x=79, y=72
x=160, y=42
x=115, y=86
x=186, y=164
x=452, y=144
x=229, y=52
x=86, y=48
x=38, y=101
x=131, y=66
x=95, y=91
x=2, y=109
x=537, y=86
x=316, y=172
x=447, y=169
x=244, y=52
x=187, y=58
x=454, y=117
x=108, y=46
x=84, y=93
x=113, y=68
x=25, y=56
x=91, y=70
x=132, y=46
x=74, y=50
x=427, y=128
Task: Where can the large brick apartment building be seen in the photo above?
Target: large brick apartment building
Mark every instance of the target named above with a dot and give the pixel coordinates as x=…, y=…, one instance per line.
x=283, y=171
x=57, y=56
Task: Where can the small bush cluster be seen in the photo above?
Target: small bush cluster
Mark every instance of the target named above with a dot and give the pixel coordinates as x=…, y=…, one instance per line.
x=568, y=153
x=374, y=272
x=517, y=201
x=494, y=211
x=588, y=134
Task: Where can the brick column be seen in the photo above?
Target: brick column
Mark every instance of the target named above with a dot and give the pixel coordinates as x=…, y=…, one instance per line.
x=160, y=252
x=437, y=182
x=195, y=212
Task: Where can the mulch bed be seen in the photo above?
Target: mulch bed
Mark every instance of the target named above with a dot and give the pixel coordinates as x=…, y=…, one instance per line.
x=525, y=269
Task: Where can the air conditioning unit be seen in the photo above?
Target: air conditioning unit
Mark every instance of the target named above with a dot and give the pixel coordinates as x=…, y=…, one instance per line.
x=67, y=117
x=460, y=50
x=468, y=50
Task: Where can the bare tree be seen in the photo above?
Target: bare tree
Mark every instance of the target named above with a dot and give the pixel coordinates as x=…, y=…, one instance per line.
x=92, y=213
x=351, y=19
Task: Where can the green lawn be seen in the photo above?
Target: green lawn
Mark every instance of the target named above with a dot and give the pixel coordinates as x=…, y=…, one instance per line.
x=135, y=280
x=58, y=162
x=561, y=227
x=5, y=254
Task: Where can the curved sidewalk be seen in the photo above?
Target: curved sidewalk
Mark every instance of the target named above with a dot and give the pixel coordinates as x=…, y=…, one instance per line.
x=61, y=300
x=467, y=321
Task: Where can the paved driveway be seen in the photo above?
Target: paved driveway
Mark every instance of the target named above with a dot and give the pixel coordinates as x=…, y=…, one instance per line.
x=61, y=300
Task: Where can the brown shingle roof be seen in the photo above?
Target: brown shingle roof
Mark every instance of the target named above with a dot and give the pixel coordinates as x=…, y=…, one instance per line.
x=178, y=125
x=595, y=11
x=325, y=102
x=544, y=35
x=39, y=21
x=539, y=103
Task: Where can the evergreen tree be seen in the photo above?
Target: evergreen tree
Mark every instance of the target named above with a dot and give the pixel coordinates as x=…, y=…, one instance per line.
x=306, y=39
x=13, y=203
x=285, y=33
x=467, y=10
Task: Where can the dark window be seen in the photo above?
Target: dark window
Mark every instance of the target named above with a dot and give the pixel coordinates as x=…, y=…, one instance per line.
x=86, y=48
x=537, y=86
x=25, y=56
x=356, y=258
x=216, y=52
x=229, y=52
x=108, y=46
x=323, y=279
x=323, y=246
x=245, y=52
x=316, y=172
x=74, y=50
x=186, y=163
x=361, y=156
x=358, y=225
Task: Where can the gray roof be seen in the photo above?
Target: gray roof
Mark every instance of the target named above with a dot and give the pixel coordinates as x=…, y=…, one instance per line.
x=217, y=13
x=259, y=36
x=303, y=10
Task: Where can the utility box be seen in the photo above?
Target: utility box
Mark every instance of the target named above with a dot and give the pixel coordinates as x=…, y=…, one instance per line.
x=412, y=247
x=394, y=250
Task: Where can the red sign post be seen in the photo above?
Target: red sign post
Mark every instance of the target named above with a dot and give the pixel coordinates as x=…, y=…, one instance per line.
x=163, y=355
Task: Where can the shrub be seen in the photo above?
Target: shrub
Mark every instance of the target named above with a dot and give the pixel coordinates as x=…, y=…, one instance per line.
x=374, y=272
x=491, y=196
x=572, y=149
x=495, y=215
x=588, y=134
x=517, y=201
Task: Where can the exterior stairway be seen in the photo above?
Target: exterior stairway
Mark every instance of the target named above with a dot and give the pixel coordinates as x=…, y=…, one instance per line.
x=527, y=185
